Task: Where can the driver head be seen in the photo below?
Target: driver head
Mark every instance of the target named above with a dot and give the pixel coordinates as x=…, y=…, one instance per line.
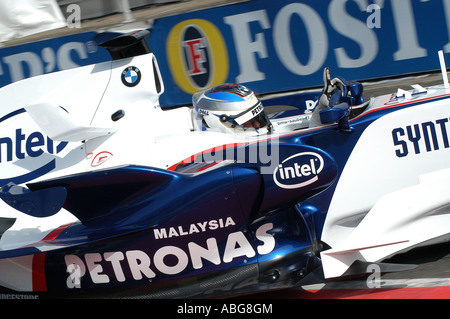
x=230, y=108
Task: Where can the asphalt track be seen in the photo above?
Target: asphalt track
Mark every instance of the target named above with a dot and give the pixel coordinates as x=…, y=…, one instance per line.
x=431, y=277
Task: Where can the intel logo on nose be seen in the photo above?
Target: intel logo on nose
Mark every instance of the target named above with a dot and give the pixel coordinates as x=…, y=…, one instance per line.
x=298, y=170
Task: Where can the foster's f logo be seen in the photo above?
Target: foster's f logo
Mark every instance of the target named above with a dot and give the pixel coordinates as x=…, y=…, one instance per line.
x=197, y=55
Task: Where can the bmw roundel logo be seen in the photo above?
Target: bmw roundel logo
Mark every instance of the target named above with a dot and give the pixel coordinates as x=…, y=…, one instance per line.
x=131, y=76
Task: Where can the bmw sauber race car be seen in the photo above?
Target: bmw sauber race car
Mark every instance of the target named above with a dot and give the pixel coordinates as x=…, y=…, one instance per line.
x=106, y=193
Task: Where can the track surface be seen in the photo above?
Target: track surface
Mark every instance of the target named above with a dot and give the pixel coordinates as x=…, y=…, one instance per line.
x=429, y=280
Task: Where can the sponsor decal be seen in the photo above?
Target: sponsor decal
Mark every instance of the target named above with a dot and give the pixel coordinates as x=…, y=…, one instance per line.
x=422, y=137
x=20, y=143
x=203, y=111
x=258, y=109
x=131, y=76
x=197, y=55
x=162, y=233
x=166, y=260
x=297, y=119
x=100, y=158
x=298, y=170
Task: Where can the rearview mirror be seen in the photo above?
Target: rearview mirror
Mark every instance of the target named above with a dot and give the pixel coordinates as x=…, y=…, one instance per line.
x=338, y=113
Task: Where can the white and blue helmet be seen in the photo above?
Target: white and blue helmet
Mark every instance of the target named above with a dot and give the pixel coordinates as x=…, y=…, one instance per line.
x=230, y=108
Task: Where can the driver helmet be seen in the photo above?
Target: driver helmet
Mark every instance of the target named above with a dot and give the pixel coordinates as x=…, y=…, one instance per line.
x=230, y=108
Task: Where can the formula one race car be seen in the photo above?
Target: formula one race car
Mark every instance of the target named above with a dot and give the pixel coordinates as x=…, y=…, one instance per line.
x=106, y=193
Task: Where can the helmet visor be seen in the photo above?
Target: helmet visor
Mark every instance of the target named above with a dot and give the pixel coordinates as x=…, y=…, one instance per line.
x=255, y=118
x=258, y=121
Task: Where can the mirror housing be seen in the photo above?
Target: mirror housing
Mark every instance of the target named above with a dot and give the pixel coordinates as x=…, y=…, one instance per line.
x=338, y=113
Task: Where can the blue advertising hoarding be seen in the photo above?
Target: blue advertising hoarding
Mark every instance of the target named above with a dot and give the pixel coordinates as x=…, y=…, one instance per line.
x=282, y=45
x=270, y=46
x=46, y=56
